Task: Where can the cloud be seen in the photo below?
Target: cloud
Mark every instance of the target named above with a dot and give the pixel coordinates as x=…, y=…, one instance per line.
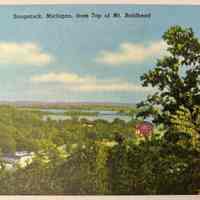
x=132, y=53
x=70, y=78
x=74, y=82
x=113, y=87
x=23, y=54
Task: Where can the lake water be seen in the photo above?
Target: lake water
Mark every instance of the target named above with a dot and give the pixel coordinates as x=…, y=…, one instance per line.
x=58, y=114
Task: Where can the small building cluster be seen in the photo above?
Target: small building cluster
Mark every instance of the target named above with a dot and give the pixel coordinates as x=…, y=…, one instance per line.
x=20, y=158
x=144, y=129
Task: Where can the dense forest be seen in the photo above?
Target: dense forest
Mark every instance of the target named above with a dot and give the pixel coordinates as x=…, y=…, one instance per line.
x=78, y=156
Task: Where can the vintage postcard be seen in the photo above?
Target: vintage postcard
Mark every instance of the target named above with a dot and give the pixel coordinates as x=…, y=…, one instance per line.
x=99, y=99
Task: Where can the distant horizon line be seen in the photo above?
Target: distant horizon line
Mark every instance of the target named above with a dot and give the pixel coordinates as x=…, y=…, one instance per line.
x=62, y=102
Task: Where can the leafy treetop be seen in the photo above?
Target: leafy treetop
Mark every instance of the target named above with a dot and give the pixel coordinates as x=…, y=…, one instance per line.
x=176, y=75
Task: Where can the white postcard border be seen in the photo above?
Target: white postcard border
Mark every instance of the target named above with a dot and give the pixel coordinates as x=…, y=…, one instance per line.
x=113, y=197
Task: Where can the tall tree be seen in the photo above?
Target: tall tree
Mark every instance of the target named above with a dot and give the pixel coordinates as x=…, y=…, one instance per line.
x=176, y=76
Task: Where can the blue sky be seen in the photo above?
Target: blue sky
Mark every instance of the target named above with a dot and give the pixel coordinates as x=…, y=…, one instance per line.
x=97, y=60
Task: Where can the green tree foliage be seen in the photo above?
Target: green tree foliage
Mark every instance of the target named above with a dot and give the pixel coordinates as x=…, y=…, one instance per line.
x=176, y=75
x=7, y=142
x=185, y=122
x=185, y=132
x=175, y=104
x=153, y=167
